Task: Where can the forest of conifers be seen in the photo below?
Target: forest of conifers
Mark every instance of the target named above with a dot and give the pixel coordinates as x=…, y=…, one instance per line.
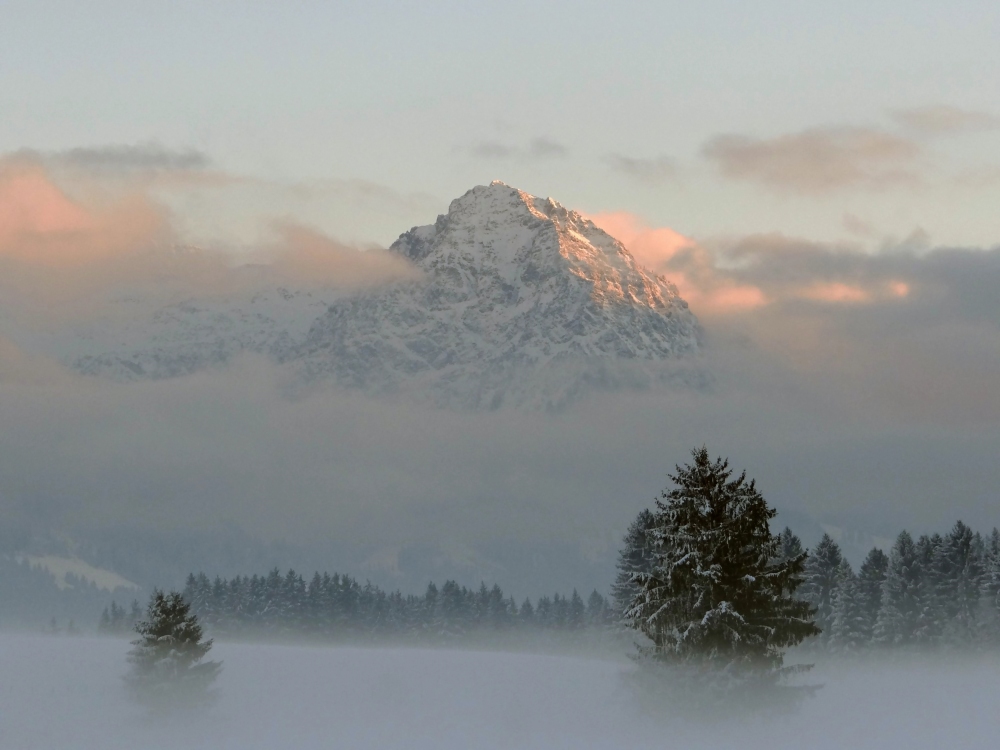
x=935, y=591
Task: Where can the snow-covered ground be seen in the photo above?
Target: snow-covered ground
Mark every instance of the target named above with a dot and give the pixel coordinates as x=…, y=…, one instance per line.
x=66, y=693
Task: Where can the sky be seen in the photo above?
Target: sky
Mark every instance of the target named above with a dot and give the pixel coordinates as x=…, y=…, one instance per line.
x=848, y=121
x=820, y=181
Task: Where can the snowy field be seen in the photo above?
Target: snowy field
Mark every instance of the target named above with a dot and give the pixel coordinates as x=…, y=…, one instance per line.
x=66, y=693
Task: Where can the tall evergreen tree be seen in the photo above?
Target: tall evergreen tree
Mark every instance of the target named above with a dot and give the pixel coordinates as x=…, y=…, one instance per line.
x=989, y=601
x=930, y=594
x=576, y=612
x=715, y=596
x=635, y=556
x=790, y=546
x=896, y=624
x=960, y=571
x=871, y=576
x=597, y=610
x=821, y=579
x=526, y=615
x=167, y=669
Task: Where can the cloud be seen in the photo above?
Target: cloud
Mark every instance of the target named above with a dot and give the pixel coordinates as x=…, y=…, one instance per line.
x=682, y=260
x=307, y=257
x=858, y=226
x=125, y=158
x=650, y=171
x=818, y=160
x=40, y=224
x=492, y=150
x=537, y=148
x=546, y=148
x=941, y=119
x=67, y=256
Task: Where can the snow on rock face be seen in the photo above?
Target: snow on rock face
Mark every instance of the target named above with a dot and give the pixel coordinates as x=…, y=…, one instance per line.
x=196, y=334
x=519, y=302
x=522, y=301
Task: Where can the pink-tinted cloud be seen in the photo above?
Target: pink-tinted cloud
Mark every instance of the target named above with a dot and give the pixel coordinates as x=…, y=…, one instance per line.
x=69, y=245
x=41, y=225
x=307, y=256
x=749, y=280
x=688, y=265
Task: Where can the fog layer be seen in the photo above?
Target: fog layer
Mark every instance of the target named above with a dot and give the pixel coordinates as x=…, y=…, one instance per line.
x=273, y=696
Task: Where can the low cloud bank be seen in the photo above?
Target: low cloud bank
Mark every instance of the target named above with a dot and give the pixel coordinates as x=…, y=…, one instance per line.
x=72, y=241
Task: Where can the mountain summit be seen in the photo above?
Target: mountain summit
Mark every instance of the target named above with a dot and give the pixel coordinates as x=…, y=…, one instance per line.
x=522, y=300
x=517, y=301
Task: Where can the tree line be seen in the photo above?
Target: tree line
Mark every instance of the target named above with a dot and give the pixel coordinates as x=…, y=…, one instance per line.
x=336, y=606
x=940, y=590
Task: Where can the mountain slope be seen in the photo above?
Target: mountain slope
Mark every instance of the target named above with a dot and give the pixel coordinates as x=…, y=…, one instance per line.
x=197, y=334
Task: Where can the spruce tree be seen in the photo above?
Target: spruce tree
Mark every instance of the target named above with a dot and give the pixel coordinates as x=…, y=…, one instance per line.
x=715, y=597
x=821, y=579
x=597, y=610
x=168, y=671
x=896, y=624
x=790, y=546
x=989, y=600
x=526, y=615
x=960, y=572
x=576, y=612
x=635, y=556
x=871, y=576
x=931, y=616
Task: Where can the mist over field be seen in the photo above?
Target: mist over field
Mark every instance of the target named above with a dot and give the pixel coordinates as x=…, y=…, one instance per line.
x=286, y=696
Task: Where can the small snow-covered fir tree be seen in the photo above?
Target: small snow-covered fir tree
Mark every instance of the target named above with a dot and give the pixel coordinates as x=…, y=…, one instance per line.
x=635, y=556
x=716, y=599
x=168, y=671
x=790, y=546
x=597, y=610
x=821, y=580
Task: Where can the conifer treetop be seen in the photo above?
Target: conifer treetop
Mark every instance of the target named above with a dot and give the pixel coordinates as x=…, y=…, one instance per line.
x=718, y=592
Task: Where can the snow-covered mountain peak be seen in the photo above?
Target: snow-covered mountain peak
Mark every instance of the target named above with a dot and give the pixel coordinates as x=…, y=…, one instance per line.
x=514, y=234
x=521, y=299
